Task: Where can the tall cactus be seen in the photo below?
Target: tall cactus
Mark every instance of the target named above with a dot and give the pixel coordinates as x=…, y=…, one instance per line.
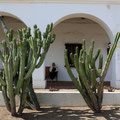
x=31, y=97
x=85, y=65
x=20, y=57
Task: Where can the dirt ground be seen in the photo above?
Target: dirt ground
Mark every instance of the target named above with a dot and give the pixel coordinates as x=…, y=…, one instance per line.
x=64, y=113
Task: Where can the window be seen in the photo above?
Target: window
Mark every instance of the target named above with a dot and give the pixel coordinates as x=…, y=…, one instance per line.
x=71, y=47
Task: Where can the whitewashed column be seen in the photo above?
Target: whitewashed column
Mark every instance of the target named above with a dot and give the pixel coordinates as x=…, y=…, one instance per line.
x=39, y=74
x=39, y=77
x=116, y=68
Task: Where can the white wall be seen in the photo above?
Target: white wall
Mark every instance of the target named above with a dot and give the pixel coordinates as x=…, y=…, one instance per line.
x=44, y=13
x=74, y=32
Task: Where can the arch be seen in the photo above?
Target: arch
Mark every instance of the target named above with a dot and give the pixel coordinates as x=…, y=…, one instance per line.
x=2, y=13
x=54, y=51
x=91, y=17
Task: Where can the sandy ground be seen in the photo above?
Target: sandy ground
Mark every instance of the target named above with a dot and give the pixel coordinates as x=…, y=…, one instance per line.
x=64, y=113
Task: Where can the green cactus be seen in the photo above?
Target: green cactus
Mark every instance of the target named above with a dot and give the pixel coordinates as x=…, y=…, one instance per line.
x=86, y=83
x=20, y=57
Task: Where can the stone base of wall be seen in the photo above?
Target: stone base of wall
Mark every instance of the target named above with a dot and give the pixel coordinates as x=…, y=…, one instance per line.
x=69, y=99
x=41, y=84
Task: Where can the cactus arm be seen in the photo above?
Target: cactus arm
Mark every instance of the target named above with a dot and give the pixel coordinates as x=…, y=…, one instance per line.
x=15, y=55
x=97, y=54
x=10, y=35
x=76, y=83
x=91, y=51
x=106, y=66
x=68, y=67
x=33, y=45
x=53, y=38
x=2, y=81
x=87, y=69
x=41, y=60
x=84, y=56
x=4, y=89
x=5, y=69
x=70, y=72
x=21, y=72
x=84, y=80
x=19, y=35
x=76, y=62
x=29, y=59
x=93, y=79
x=93, y=63
x=23, y=95
x=83, y=45
x=39, y=35
x=1, y=56
x=100, y=64
x=109, y=57
x=33, y=95
x=10, y=88
x=31, y=69
x=46, y=45
x=35, y=35
x=16, y=65
x=6, y=99
x=76, y=51
x=98, y=75
x=72, y=57
x=39, y=44
x=14, y=50
x=4, y=46
x=85, y=95
x=81, y=52
x=30, y=105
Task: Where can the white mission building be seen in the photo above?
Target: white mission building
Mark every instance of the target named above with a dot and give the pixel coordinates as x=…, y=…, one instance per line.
x=74, y=20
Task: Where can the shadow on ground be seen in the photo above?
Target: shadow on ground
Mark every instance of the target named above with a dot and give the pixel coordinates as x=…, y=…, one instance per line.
x=113, y=113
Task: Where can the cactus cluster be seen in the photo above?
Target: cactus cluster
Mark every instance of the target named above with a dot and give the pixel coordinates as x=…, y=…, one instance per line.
x=85, y=64
x=20, y=57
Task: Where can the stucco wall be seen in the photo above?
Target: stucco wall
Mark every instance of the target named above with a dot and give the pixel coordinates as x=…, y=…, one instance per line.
x=107, y=15
x=74, y=32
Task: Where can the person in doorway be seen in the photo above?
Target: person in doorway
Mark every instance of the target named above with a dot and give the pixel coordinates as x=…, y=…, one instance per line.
x=53, y=71
x=53, y=75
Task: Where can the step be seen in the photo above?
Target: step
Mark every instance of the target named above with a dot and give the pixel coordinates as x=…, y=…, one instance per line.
x=68, y=98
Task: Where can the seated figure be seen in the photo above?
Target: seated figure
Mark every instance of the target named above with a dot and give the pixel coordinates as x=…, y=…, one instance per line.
x=53, y=71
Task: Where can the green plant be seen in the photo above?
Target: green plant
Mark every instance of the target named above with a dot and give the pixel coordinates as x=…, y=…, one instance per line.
x=20, y=57
x=85, y=65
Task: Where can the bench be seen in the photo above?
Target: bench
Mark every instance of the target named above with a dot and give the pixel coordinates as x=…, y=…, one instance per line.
x=47, y=73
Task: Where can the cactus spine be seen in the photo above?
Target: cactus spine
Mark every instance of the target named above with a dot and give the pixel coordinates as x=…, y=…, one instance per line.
x=86, y=83
x=20, y=57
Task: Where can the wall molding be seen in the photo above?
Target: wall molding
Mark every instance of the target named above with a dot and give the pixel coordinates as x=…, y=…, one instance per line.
x=115, y=2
